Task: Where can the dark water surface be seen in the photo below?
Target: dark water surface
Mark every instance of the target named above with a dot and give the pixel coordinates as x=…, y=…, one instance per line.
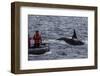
x=54, y=27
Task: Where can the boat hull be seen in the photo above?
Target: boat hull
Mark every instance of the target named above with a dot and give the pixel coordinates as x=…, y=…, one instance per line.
x=38, y=51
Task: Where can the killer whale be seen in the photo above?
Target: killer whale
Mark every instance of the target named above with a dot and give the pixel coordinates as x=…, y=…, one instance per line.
x=72, y=41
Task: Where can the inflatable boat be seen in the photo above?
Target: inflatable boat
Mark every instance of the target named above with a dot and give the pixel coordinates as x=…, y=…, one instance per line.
x=38, y=51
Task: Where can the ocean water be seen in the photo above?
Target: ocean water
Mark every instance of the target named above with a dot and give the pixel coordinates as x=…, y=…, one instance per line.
x=54, y=27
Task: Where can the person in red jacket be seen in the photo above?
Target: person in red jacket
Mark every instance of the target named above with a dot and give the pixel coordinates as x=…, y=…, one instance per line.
x=37, y=39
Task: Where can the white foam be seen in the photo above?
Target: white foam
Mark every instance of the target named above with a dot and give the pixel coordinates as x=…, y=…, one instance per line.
x=54, y=41
x=85, y=41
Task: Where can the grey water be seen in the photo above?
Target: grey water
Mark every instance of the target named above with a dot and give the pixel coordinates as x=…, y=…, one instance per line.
x=54, y=27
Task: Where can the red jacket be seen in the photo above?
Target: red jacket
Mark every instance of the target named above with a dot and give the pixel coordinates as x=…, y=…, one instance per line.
x=37, y=38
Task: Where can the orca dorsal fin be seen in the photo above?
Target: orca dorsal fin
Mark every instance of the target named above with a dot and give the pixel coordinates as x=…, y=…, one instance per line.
x=74, y=36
